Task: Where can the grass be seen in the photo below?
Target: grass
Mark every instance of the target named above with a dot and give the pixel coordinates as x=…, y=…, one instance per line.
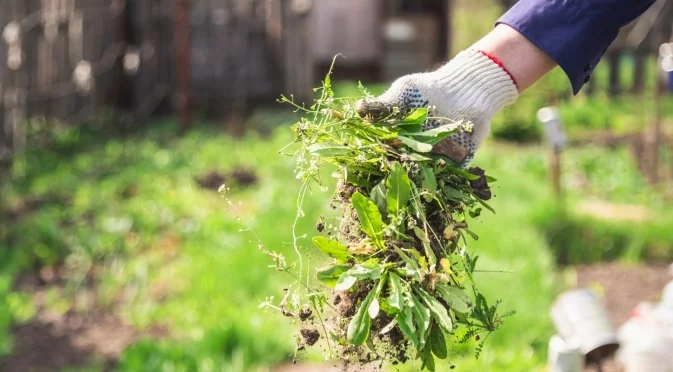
x=170, y=240
x=169, y=252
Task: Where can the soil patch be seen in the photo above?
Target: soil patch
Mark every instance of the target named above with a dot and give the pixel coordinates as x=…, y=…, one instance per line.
x=52, y=341
x=624, y=285
x=241, y=177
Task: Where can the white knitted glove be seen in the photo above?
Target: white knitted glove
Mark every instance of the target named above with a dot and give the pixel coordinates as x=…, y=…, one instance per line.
x=471, y=87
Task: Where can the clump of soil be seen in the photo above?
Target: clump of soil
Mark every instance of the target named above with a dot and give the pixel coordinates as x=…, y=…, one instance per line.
x=306, y=314
x=310, y=336
x=480, y=186
x=241, y=177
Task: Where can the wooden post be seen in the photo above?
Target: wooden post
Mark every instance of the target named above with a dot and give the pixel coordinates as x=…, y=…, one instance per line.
x=12, y=87
x=444, y=39
x=143, y=37
x=5, y=137
x=553, y=129
x=298, y=62
x=639, y=70
x=614, y=86
x=658, y=38
x=656, y=140
x=182, y=60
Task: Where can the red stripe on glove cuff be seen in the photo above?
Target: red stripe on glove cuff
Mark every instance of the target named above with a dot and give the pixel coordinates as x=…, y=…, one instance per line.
x=499, y=63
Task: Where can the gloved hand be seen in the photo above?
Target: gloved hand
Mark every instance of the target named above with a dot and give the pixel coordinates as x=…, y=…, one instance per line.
x=471, y=87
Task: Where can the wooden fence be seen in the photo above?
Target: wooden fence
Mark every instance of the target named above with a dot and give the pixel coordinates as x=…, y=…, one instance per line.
x=69, y=59
x=73, y=59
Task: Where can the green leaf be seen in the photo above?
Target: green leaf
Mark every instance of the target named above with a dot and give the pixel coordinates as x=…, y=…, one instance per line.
x=410, y=262
x=359, y=326
x=454, y=194
x=457, y=299
x=422, y=262
x=422, y=318
x=418, y=116
x=327, y=150
x=428, y=181
x=345, y=282
x=490, y=179
x=465, y=174
x=364, y=90
x=475, y=212
x=364, y=272
x=370, y=218
x=472, y=234
x=331, y=274
x=415, y=145
x=332, y=248
x=437, y=310
x=398, y=189
x=378, y=196
x=429, y=253
x=418, y=157
x=427, y=359
x=355, y=179
x=405, y=321
x=395, y=292
x=436, y=135
x=486, y=205
x=438, y=343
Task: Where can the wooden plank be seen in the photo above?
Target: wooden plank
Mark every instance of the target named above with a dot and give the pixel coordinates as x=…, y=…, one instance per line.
x=350, y=27
x=614, y=83
x=640, y=57
x=13, y=88
x=298, y=61
x=182, y=61
x=5, y=149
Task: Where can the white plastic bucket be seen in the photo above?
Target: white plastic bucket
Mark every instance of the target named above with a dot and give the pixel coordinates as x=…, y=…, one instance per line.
x=580, y=317
x=564, y=357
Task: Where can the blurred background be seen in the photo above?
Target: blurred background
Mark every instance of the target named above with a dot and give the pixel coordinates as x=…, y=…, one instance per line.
x=120, y=119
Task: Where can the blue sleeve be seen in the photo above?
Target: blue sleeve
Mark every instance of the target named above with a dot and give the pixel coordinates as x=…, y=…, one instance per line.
x=576, y=33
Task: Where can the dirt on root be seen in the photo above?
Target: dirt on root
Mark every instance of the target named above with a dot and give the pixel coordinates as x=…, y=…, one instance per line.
x=480, y=186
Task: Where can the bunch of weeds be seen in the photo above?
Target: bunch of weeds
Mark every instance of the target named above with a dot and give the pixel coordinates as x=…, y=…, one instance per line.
x=400, y=280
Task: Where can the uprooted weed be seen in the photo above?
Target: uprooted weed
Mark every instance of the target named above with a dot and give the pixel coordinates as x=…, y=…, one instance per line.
x=400, y=283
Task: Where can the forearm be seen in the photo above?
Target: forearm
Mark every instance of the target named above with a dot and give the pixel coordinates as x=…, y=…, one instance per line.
x=522, y=59
x=575, y=34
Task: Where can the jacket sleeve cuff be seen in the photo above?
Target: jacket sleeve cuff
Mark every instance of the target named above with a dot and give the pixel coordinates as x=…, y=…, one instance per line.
x=564, y=30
